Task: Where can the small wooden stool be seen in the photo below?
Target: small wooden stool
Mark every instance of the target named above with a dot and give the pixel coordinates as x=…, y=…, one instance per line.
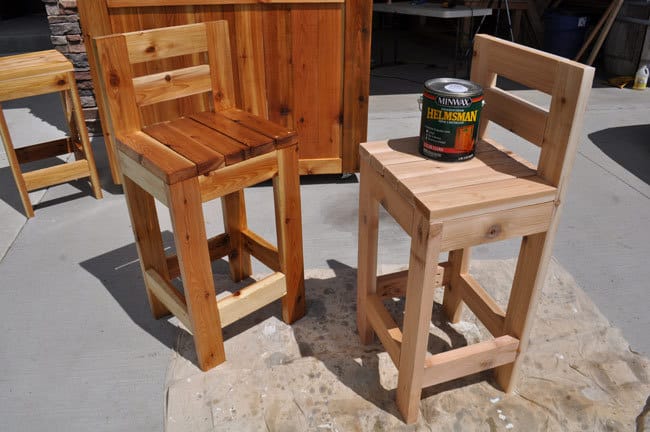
x=198, y=157
x=447, y=206
x=32, y=74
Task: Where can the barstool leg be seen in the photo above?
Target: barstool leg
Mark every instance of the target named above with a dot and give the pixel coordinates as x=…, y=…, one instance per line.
x=148, y=239
x=423, y=263
x=234, y=219
x=367, y=253
x=75, y=137
x=288, y=223
x=15, y=166
x=184, y=201
x=529, y=278
x=452, y=303
x=85, y=141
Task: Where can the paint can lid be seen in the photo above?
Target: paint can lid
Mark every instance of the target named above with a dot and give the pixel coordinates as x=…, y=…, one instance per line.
x=452, y=87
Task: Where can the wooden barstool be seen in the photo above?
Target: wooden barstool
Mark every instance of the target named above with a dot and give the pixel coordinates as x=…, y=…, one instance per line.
x=198, y=157
x=452, y=206
x=37, y=73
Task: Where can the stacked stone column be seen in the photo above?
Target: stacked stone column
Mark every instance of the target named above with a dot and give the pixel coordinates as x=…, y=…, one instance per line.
x=66, y=37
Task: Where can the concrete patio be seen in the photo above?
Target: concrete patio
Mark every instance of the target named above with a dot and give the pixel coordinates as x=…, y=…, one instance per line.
x=80, y=350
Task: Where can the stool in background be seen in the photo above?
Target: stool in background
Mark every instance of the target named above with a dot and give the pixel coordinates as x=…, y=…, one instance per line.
x=37, y=73
x=452, y=206
x=198, y=157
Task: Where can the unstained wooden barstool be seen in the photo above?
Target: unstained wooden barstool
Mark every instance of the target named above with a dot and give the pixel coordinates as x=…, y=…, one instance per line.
x=452, y=206
x=37, y=73
x=188, y=160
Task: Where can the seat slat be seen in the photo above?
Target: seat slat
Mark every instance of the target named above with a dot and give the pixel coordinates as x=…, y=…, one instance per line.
x=428, y=167
x=258, y=143
x=485, y=174
x=424, y=176
x=391, y=152
x=487, y=197
x=36, y=63
x=282, y=136
x=233, y=151
x=205, y=158
x=159, y=159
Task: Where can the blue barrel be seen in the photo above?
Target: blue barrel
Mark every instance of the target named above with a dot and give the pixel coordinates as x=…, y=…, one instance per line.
x=564, y=32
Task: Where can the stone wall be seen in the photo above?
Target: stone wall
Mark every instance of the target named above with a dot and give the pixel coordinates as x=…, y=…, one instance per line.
x=66, y=37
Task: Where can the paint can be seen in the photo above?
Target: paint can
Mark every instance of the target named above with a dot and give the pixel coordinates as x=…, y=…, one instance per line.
x=451, y=109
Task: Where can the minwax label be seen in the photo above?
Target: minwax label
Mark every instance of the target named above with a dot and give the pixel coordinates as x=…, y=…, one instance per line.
x=449, y=126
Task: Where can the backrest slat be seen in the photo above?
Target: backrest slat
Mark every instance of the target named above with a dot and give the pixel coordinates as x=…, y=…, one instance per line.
x=515, y=114
x=161, y=43
x=164, y=86
x=520, y=63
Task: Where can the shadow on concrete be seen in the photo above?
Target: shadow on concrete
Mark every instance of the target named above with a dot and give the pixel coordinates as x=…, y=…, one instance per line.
x=47, y=107
x=627, y=146
x=9, y=192
x=119, y=272
x=317, y=179
x=327, y=332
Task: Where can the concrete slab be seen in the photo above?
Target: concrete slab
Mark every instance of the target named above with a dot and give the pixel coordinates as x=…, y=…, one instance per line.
x=314, y=376
x=76, y=328
x=32, y=120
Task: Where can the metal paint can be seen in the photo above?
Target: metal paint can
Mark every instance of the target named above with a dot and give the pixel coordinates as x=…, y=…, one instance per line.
x=451, y=109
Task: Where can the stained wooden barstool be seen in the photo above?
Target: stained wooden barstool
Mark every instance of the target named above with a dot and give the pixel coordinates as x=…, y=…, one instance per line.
x=38, y=73
x=452, y=206
x=189, y=160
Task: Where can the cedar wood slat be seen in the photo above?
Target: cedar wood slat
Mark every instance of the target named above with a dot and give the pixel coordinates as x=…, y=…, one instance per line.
x=278, y=52
x=356, y=79
x=330, y=82
x=205, y=158
x=127, y=3
x=29, y=64
x=305, y=74
x=232, y=150
x=250, y=58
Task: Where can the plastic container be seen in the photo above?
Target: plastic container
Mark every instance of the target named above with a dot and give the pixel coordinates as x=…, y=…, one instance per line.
x=641, y=78
x=564, y=32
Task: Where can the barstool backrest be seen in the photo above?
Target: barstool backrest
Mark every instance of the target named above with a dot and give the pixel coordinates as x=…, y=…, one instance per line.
x=556, y=129
x=139, y=69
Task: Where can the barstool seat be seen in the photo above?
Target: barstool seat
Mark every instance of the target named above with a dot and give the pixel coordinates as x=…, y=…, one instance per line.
x=37, y=73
